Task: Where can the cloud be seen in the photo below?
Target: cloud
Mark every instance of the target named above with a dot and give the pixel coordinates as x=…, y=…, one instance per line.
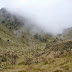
x=50, y=15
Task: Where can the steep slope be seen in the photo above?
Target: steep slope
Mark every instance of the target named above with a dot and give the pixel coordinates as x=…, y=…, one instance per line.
x=23, y=50
x=10, y=20
x=13, y=29
x=67, y=34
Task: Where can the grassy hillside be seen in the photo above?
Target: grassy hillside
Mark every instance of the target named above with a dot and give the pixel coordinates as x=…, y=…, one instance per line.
x=67, y=34
x=22, y=50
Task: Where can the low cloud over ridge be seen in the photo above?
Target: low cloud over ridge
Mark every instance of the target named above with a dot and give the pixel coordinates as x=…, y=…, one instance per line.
x=50, y=15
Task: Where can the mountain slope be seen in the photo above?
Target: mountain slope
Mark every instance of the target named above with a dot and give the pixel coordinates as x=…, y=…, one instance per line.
x=67, y=34
x=23, y=50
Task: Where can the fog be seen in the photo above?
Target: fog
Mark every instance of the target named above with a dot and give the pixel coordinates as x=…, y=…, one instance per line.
x=49, y=15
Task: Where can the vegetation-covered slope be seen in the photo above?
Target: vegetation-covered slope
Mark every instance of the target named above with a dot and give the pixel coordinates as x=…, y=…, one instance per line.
x=67, y=35
x=23, y=50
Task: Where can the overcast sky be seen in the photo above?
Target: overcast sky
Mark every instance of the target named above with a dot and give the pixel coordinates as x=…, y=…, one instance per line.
x=51, y=15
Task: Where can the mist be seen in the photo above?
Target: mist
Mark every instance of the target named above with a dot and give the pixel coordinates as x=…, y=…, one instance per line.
x=52, y=16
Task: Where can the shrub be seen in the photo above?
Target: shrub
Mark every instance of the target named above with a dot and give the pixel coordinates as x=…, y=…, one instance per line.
x=66, y=67
x=22, y=71
x=47, y=46
x=4, y=59
x=44, y=60
x=28, y=61
x=58, y=71
x=3, y=21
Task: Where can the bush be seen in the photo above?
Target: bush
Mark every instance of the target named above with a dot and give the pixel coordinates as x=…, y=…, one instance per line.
x=3, y=21
x=36, y=36
x=66, y=67
x=22, y=71
x=28, y=61
x=4, y=59
x=47, y=46
x=21, y=63
x=44, y=60
x=58, y=71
